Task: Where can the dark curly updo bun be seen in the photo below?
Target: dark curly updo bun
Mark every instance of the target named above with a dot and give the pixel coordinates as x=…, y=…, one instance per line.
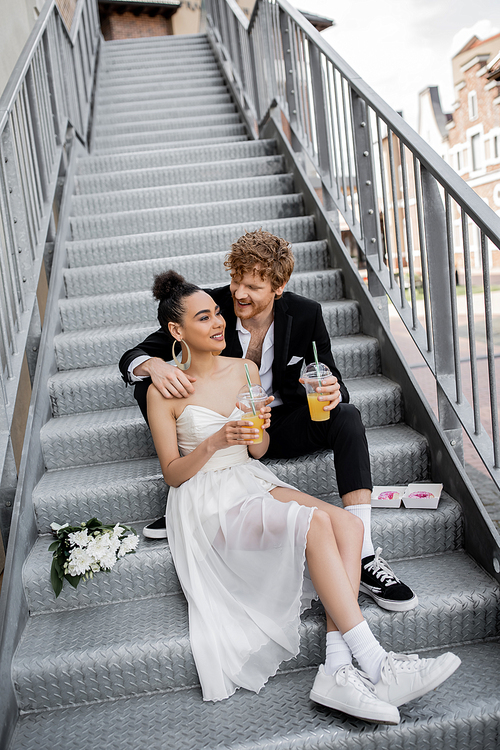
x=170, y=288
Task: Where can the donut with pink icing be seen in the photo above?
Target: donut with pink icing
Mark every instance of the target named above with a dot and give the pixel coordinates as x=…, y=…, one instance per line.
x=389, y=495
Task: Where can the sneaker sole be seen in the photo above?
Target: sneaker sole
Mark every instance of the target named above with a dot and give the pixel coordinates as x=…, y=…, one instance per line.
x=452, y=666
x=154, y=533
x=358, y=714
x=390, y=604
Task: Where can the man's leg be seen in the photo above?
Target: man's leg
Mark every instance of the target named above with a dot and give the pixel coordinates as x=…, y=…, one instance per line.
x=157, y=529
x=293, y=434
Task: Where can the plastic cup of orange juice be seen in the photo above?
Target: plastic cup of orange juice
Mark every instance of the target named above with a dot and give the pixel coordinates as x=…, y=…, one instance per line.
x=244, y=402
x=313, y=376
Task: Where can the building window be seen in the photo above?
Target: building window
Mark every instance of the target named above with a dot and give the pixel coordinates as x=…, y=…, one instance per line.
x=472, y=105
x=459, y=161
x=495, y=146
x=475, y=147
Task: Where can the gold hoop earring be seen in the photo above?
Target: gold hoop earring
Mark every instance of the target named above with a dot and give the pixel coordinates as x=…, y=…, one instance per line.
x=187, y=363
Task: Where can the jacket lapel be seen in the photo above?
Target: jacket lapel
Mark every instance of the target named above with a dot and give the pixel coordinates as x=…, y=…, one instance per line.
x=233, y=346
x=282, y=331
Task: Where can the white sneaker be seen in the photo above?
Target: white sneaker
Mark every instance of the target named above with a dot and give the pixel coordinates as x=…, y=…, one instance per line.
x=348, y=691
x=406, y=677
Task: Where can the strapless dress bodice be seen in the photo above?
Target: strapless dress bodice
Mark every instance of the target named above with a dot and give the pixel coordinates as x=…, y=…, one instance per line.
x=196, y=423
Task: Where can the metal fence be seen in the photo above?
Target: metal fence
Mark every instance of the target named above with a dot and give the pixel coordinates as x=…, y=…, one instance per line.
x=408, y=214
x=49, y=89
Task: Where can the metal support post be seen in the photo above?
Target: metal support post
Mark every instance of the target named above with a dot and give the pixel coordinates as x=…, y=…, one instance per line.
x=290, y=79
x=367, y=199
x=441, y=304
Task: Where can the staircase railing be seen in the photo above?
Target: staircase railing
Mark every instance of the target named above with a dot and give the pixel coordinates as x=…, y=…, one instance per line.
x=49, y=90
x=45, y=108
x=408, y=216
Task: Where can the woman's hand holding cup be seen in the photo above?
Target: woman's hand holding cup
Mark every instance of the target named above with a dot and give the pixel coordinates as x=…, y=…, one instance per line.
x=257, y=401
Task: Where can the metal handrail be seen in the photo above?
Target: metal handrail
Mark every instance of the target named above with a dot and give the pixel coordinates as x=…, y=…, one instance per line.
x=49, y=89
x=409, y=213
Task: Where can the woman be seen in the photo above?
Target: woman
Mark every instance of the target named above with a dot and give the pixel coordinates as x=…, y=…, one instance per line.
x=240, y=539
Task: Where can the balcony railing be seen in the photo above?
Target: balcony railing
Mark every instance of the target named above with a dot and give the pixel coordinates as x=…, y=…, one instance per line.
x=48, y=91
x=409, y=214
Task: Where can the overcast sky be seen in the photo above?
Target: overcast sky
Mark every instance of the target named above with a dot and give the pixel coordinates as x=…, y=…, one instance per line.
x=402, y=46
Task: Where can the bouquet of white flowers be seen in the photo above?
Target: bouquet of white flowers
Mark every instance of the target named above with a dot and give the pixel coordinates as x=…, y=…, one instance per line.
x=80, y=551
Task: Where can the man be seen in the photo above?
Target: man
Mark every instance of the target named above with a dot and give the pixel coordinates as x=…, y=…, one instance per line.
x=275, y=329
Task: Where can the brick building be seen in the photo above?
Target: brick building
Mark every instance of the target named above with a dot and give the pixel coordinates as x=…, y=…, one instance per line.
x=469, y=138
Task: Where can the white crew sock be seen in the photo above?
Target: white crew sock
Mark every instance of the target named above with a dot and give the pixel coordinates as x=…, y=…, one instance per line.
x=338, y=653
x=366, y=650
x=364, y=511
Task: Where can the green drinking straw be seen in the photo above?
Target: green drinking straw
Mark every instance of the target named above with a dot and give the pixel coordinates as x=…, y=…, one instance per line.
x=316, y=360
x=250, y=390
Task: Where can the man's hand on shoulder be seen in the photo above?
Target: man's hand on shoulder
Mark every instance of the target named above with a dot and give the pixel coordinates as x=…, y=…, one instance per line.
x=167, y=379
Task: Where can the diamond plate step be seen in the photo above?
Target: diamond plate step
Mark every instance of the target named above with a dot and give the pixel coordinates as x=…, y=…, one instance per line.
x=127, y=47
x=150, y=571
x=104, y=346
x=174, y=157
x=178, y=195
x=182, y=242
x=173, y=145
x=185, y=94
x=138, y=646
x=226, y=126
x=398, y=455
x=161, y=82
x=186, y=217
x=174, y=55
x=101, y=346
x=121, y=434
x=190, y=173
x=138, y=69
x=144, y=116
x=199, y=65
x=199, y=269
x=97, y=388
x=163, y=128
x=124, y=110
x=462, y=713
x=356, y=356
x=112, y=309
x=126, y=490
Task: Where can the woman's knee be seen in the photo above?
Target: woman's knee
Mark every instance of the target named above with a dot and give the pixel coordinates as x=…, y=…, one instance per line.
x=321, y=524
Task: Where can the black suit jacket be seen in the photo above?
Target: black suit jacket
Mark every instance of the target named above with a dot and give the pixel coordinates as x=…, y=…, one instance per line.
x=298, y=322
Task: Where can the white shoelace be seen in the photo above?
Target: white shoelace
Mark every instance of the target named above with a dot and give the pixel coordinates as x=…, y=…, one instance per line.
x=358, y=679
x=398, y=663
x=381, y=569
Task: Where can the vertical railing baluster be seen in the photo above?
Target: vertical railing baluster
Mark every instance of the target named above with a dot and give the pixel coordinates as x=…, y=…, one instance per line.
x=395, y=211
x=436, y=242
x=453, y=299
x=490, y=347
x=470, y=323
x=423, y=250
x=367, y=196
x=409, y=238
x=387, y=215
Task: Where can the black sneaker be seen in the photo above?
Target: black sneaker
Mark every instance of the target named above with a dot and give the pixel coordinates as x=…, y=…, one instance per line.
x=379, y=582
x=156, y=529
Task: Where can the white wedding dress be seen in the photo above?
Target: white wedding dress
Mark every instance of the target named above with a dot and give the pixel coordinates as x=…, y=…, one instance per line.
x=240, y=557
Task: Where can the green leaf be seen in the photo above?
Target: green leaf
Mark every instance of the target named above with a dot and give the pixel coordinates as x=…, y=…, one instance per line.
x=54, y=546
x=73, y=580
x=56, y=580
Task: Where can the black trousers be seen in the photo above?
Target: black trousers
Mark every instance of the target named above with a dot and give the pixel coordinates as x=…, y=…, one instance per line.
x=293, y=433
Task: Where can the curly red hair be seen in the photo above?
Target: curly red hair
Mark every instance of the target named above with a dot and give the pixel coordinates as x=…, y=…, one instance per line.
x=262, y=253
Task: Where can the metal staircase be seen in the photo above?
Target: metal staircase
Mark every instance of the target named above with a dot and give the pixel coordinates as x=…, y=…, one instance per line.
x=171, y=180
